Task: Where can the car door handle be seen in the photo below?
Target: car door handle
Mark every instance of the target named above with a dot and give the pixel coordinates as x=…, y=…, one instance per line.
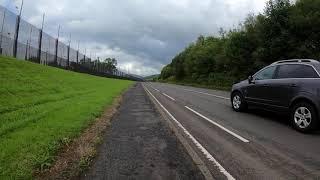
x=293, y=85
x=265, y=85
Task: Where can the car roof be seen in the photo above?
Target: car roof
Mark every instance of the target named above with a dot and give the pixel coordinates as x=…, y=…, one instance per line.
x=295, y=61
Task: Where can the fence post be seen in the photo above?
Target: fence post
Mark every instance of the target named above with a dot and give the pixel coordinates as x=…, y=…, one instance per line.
x=56, y=48
x=40, y=42
x=46, y=57
x=78, y=52
x=68, y=53
x=78, y=57
x=68, y=56
x=39, y=47
x=26, y=53
x=2, y=25
x=56, y=53
x=16, y=33
x=16, y=36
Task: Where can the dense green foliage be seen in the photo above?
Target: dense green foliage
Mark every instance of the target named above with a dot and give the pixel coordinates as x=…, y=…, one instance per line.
x=285, y=30
x=42, y=108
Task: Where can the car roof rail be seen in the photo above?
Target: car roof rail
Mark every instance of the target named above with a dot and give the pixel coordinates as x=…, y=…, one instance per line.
x=296, y=61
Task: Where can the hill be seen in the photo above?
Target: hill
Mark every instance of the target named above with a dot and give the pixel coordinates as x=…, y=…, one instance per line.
x=41, y=107
x=149, y=78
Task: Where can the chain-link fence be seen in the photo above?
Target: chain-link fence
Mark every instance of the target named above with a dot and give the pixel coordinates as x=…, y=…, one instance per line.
x=22, y=40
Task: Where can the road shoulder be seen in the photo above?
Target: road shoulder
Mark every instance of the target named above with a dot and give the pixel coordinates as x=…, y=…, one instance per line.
x=140, y=145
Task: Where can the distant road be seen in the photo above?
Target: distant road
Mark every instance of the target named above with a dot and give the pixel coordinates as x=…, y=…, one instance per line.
x=253, y=145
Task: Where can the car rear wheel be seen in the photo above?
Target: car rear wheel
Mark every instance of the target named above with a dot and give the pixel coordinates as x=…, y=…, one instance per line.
x=238, y=103
x=304, y=117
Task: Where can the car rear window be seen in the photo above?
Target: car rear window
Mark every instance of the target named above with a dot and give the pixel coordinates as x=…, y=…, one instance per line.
x=296, y=71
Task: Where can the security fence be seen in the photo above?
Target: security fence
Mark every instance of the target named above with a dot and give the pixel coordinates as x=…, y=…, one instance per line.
x=22, y=40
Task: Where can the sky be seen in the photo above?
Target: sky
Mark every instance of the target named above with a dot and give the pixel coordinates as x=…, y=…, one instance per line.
x=142, y=35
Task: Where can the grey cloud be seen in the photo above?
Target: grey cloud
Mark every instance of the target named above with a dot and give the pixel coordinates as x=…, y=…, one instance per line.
x=142, y=34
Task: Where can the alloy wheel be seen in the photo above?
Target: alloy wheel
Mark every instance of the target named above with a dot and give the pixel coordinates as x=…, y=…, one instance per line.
x=236, y=102
x=302, y=117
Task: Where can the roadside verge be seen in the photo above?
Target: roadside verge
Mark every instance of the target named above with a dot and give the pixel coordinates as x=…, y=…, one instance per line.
x=76, y=155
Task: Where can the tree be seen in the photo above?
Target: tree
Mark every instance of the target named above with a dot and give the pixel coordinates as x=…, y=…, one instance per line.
x=110, y=64
x=285, y=30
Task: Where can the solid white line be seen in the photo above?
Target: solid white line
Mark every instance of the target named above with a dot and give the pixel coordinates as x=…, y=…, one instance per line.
x=203, y=150
x=221, y=97
x=218, y=125
x=169, y=96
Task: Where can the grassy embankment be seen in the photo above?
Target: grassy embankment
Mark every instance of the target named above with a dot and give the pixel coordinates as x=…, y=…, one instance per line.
x=42, y=108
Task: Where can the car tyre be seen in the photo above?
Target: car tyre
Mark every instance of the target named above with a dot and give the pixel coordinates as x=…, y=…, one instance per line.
x=304, y=117
x=238, y=103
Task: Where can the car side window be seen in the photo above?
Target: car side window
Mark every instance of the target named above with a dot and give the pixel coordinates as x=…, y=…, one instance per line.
x=267, y=73
x=296, y=71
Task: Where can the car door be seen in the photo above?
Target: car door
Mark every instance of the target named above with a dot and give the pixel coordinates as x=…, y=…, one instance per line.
x=258, y=92
x=288, y=80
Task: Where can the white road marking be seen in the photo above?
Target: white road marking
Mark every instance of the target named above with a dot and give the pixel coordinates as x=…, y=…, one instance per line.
x=221, y=97
x=218, y=125
x=169, y=96
x=193, y=139
x=154, y=88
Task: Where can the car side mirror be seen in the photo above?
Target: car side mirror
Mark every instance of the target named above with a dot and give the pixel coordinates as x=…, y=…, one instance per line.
x=250, y=79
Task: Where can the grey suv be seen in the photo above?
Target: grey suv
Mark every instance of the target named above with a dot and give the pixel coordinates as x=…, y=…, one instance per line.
x=289, y=86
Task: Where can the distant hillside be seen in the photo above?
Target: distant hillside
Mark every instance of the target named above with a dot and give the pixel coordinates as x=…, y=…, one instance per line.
x=151, y=77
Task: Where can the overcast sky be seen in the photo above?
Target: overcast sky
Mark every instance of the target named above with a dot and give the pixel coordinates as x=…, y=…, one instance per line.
x=143, y=35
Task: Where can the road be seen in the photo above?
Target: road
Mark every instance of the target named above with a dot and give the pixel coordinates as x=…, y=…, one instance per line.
x=252, y=145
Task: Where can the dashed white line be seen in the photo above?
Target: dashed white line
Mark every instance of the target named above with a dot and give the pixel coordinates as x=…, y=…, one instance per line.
x=154, y=88
x=169, y=96
x=221, y=97
x=193, y=139
x=218, y=125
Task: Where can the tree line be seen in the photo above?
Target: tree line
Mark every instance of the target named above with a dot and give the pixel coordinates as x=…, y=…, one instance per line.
x=285, y=30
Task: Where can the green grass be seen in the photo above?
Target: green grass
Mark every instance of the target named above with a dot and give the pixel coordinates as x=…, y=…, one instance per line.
x=42, y=108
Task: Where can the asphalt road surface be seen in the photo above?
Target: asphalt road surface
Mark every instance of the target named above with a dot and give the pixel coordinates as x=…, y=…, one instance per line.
x=252, y=145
